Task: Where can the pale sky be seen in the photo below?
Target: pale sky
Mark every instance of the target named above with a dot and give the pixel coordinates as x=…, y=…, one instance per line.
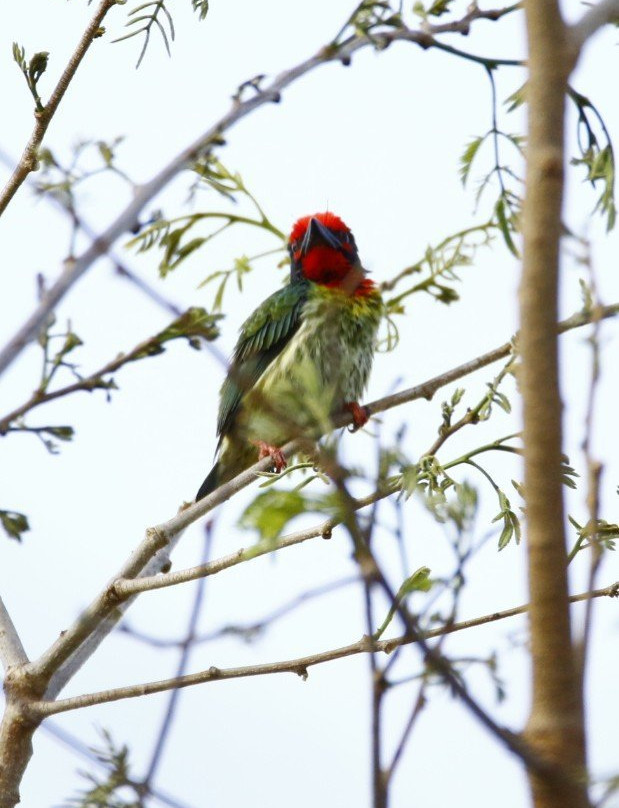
x=379, y=144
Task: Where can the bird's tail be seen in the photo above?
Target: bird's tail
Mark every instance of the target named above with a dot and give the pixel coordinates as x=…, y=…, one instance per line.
x=210, y=483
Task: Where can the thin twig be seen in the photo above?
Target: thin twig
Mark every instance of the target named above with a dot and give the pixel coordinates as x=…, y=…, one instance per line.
x=408, y=728
x=246, y=631
x=183, y=661
x=95, y=381
x=594, y=467
x=29, y=158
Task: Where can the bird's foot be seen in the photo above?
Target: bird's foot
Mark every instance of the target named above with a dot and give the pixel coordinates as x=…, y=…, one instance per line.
x=275, y=453
x=360, y=414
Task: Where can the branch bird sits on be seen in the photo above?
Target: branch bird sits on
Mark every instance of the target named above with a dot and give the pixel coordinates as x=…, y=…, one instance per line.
x=305, y=352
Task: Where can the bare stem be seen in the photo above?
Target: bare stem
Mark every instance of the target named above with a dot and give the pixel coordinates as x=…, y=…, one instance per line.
x=29, y=159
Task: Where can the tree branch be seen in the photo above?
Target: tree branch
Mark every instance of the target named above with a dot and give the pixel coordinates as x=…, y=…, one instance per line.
x=300, y=665
x=604, y=13
x=123, y=588
x=249, y=630
x=183, y=663
x=29, y=158
x=97, y=381
x=11, y=649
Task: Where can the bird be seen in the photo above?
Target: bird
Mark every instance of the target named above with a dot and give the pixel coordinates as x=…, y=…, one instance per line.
x=305, y=351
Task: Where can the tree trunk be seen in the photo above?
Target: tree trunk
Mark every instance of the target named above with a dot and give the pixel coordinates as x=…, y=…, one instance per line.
x=15, y=752
x=555, y=728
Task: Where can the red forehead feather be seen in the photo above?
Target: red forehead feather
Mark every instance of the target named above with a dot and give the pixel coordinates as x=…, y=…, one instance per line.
x=329, y=220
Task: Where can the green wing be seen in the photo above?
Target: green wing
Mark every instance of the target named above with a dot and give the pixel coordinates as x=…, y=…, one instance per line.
x=263, y=336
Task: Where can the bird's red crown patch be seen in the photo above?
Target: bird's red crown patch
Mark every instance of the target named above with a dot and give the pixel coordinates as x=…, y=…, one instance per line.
x=329, y=220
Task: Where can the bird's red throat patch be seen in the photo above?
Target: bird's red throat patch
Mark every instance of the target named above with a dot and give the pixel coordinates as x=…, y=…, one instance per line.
x=332, y=268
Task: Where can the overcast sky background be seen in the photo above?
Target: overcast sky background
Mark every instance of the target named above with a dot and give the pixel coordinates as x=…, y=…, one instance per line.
x=379, y=144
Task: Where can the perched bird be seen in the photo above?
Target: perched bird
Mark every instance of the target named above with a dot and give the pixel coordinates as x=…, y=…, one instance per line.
x=306, y=351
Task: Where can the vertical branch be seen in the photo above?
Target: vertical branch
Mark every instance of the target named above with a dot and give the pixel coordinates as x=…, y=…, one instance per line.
x=594, y=467
x=377, y=671
x=555, y=728
x=378, y=691
x=15, y=731
x=186, y=648
x=15, y=752
x=11, y=649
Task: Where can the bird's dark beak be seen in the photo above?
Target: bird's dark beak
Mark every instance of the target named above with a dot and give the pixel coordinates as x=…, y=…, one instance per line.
x=317, y=234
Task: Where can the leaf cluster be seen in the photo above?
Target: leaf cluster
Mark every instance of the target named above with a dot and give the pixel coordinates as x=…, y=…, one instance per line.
x=368, y=18
x=116, y=789
x=599, y=533
x=173, y=236
x=155, y=15
x=438, y=267
x=272, y=510
x=597, y=157
x=506, y=209
x=195, y=325
x=436, y=9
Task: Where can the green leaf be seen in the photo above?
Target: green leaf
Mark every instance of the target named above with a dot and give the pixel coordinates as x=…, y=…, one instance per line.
x=201, y=7
x=502, y=400
x=64, y=433
x=568, y=473
x=14, y=524
x=38, y=66
x=517, y=98
x=457, y=396
x=32, y=70
x=506, y=534
x=504, y=227
x=439, y=7
x=195, y=322
x=271, y=511
x=462, y=509
x=419, y=581
x=467, y=157
x=71, y=342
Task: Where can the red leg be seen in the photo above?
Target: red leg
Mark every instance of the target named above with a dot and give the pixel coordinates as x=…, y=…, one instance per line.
x=360, y=415
x=276, y=454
